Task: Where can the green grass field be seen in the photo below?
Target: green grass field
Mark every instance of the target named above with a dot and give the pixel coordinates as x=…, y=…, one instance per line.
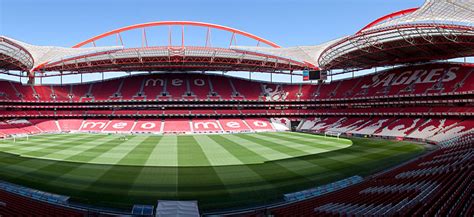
x=220, y=171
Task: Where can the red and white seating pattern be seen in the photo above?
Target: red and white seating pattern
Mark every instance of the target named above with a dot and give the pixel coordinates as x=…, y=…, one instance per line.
x=370, y=127
x=206, y=125
x=400, y=127
x=156, y=126
x=434, y=129
x=319, y=124
x=281, y=124
x=457, y=129
x=234, y=125
x=259, y=124
x=431, y=127
x=148, y=126
x=119, y=126
x=344, y=124
x=412, y=80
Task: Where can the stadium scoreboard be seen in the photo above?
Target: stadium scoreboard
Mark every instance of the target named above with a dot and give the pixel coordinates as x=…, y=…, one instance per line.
x=314, y=75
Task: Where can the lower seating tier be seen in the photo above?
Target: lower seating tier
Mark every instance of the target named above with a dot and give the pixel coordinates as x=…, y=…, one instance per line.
x=19, y=127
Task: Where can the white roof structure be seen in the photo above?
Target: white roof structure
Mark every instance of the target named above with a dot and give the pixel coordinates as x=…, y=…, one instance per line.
x=454, y=12
x=309, y=54
x=439, y=29
x=34, y=58
x=169, y=208
x=44, y=54
x=165, y=58
x=433, y=13
x=13, y=55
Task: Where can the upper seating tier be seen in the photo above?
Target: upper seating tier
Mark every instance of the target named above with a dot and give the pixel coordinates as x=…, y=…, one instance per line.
x=436, y=78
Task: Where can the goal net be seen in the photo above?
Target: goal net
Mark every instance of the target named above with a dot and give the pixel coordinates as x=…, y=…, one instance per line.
x=332, y=133
x=16, y=138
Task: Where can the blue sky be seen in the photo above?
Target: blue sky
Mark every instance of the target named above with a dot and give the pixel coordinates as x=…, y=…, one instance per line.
x=286, y=22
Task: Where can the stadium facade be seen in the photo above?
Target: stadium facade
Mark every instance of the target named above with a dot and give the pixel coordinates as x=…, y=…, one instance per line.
x=419, y=97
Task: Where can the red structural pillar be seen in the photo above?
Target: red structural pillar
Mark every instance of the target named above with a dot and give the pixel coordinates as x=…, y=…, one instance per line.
x=31, y=77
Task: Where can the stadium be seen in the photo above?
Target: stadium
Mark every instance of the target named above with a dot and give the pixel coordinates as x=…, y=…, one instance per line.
x=178, y=135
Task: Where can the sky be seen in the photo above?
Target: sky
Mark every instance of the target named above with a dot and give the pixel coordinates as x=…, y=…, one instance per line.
x=285, y=22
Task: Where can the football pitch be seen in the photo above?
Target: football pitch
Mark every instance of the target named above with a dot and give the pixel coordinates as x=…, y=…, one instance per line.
x=220, y=171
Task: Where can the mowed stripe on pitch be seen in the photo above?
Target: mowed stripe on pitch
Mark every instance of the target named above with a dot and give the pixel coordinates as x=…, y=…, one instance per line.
x=307, y=146
x=55, y=147
x=215, y=153
x=264, y=151
x=379, y=153
x=365, y=152
x=63, y=152
x=28, y=165
x=9, y=144
x=314, y=140
x=165, y=152
x=76, y=175
x=275, y=146
x=190, y=152
x=33, y=145
x=109, y=178
x=365, y=155
x=140, y=154
x=57, y=171
x=93, y=152
x=325, y=139
x=153, y=181
x=117, y=153
x=241, y=152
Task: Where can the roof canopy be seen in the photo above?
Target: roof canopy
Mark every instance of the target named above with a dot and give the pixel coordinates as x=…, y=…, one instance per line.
x=439, y=29
x=451, y=12
x=148, y=57
x=32, y=56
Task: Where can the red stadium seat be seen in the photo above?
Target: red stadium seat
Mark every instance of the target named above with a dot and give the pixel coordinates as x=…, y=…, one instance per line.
x=119, y=126
x=148, y=126
x=177, y=126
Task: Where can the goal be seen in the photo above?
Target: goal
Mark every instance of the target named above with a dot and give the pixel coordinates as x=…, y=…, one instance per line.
x=15, y=138
x=332, y=133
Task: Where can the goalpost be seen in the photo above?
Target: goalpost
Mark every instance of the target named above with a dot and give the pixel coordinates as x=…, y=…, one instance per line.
x=17, y=137
x=332, y=133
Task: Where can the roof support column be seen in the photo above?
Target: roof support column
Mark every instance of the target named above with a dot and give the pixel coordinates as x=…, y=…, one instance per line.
x=31, y=77
x=291, y=77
